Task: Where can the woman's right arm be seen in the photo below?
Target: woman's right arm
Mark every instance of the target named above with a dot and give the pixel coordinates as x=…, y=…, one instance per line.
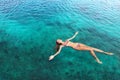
x=52, y=56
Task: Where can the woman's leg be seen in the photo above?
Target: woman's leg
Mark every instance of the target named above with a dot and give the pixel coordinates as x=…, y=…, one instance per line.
x=94, y=55
x=98, y=50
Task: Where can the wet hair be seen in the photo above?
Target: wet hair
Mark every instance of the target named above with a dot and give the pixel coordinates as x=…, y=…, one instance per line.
x=57, y=46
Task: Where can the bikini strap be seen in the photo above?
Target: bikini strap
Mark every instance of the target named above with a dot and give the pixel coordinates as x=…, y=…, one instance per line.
x=66, y=42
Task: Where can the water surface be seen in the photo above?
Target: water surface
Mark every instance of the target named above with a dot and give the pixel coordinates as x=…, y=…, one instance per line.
x=29, y=29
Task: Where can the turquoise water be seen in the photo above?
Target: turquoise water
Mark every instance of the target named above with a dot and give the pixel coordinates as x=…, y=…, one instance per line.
x=29, y=29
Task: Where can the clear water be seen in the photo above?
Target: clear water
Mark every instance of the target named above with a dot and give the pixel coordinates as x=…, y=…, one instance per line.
x=29, y=29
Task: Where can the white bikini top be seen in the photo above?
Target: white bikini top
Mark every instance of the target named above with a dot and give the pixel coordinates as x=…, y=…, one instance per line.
x=66, y=43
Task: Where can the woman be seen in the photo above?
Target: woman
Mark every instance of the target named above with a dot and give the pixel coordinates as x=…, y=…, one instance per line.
x=77, y=46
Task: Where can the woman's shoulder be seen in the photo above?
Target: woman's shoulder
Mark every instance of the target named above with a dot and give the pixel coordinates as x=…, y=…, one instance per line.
x=67, y=40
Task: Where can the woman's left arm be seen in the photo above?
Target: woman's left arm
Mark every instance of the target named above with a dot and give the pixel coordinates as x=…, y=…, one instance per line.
x=73, y=36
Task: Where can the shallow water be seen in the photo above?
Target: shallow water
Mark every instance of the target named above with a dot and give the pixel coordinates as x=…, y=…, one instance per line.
x=29, y=29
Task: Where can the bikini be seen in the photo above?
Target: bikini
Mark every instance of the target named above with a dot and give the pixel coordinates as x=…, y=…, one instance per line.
x=66, y=43
x=78, y=45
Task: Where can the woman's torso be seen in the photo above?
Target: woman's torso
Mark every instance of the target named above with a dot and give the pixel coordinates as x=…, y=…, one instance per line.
x=69, y=43
x=78, y=46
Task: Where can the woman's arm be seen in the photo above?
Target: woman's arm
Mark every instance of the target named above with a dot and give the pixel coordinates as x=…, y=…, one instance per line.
x=52, y=56
x=73, y=36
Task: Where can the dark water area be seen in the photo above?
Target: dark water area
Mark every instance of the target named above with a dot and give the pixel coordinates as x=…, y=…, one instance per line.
x=30, y=28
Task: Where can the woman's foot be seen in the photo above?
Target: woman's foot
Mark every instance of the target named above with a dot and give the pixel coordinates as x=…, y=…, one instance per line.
x=109, y=53
x=100, y=62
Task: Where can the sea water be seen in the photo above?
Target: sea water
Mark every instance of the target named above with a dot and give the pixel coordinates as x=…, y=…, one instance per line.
x=30, y=28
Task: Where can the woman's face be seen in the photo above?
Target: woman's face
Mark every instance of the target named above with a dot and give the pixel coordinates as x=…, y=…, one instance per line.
x=59, y=41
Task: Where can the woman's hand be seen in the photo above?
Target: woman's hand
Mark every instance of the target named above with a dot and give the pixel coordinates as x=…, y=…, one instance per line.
x=76, y=33
x=51, y=57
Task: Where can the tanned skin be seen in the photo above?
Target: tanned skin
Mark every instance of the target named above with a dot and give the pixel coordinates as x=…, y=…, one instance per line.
x=78, y=46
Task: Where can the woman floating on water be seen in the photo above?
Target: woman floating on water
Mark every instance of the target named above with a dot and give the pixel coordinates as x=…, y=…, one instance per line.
x=77, y=46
